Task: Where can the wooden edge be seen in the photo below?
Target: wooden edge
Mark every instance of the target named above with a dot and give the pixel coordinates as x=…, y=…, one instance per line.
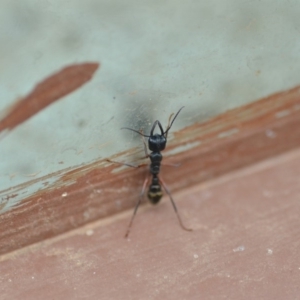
x=229, y=141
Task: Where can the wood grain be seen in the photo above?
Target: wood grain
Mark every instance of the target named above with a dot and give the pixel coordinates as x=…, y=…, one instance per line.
x=245, y=245
x=227, y=142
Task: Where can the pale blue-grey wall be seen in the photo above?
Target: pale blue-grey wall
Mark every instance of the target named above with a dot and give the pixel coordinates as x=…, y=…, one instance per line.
x=156, y=56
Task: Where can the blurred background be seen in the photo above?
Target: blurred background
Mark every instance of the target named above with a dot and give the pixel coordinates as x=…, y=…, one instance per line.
x=156, y=56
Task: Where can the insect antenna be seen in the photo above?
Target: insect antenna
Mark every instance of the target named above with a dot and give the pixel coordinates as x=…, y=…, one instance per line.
x=169, y=127
x=144, y=135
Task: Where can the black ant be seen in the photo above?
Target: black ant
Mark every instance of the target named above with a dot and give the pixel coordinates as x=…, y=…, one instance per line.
x=156, y=143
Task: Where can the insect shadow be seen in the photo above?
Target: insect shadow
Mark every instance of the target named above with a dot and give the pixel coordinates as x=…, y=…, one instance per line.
x=156, y=143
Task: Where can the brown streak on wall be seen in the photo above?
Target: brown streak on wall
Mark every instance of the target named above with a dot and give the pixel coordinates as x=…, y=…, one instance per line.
x=47, y=92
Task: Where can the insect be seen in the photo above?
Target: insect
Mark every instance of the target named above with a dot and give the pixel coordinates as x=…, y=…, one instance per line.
x=156, y=143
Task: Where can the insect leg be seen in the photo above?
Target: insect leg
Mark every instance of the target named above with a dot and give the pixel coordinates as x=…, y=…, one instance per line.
x=137, y=205
x=175, y=165
x=145, y=144
x=174, y=206
x=126, y=164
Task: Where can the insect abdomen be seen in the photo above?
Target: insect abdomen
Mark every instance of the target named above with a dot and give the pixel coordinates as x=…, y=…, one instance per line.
x=154, y=196
x=155, y=193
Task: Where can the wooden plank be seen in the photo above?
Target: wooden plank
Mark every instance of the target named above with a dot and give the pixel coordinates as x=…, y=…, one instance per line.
x=232, y=140
x=245, y=245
